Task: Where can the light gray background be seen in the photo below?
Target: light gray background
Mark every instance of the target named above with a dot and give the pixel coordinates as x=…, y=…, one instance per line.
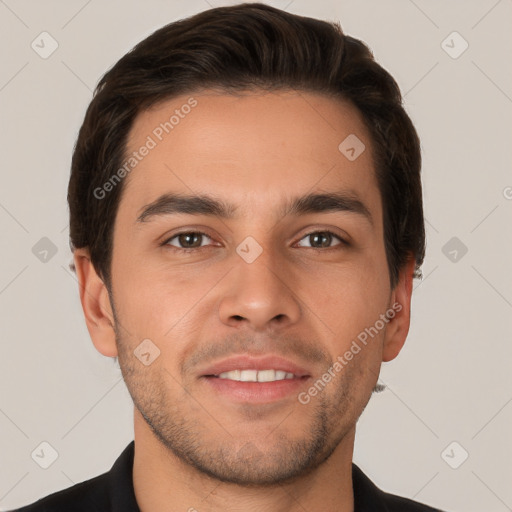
x=452, y=381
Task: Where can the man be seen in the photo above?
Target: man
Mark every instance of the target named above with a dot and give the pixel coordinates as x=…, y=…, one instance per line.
x=246, y=222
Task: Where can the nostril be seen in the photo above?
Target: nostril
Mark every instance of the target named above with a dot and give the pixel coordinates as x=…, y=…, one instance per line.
x=238, y=317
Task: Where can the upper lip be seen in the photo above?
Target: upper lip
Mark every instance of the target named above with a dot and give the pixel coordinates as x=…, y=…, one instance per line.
x=247, y=362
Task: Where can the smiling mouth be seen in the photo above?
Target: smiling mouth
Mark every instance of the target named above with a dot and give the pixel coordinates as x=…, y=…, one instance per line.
x=252, y=375
x=255, y=386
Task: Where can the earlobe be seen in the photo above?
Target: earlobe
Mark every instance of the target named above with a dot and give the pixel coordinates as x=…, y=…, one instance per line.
x=398, y=327
x=95, y=304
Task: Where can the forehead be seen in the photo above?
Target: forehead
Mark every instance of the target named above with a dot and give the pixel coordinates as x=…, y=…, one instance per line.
x=251, y=148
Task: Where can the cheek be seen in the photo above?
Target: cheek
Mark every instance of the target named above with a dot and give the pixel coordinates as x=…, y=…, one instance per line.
x=349, y=300
x=163, y=305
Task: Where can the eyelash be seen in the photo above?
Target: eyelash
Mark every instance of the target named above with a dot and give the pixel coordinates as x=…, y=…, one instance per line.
x=189, y=250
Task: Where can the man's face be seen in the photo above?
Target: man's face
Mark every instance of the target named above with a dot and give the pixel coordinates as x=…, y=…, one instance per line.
x=264, y=288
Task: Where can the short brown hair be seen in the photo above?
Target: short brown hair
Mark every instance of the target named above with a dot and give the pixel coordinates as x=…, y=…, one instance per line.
x=245, y=47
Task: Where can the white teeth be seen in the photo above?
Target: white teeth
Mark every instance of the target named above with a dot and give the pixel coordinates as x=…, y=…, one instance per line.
x=249, y=375
x=266, y=375
x=232, y=375
x=256, y=376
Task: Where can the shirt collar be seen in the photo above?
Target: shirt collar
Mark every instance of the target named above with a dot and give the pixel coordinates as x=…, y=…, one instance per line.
x=367, y=496
x=122, y=495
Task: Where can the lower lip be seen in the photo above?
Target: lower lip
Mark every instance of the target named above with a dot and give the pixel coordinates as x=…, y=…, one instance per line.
x=256, y=392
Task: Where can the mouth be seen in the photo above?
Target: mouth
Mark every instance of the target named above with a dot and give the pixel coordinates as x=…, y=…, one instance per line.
x=255, y=380
x=256, y=375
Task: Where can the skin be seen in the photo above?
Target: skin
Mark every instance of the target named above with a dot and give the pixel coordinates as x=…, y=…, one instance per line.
x=194, y=448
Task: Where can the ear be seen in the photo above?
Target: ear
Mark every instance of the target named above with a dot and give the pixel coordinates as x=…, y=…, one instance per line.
x=95, y=304
x=398, y=327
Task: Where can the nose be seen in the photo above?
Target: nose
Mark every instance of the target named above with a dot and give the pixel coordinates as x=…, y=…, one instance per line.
x=260, y=295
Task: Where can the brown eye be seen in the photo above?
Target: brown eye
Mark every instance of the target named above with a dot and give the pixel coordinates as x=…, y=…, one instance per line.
x=188, y=240
x=321, y=240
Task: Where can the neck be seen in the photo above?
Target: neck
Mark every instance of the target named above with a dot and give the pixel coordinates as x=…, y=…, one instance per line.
x=164, y=483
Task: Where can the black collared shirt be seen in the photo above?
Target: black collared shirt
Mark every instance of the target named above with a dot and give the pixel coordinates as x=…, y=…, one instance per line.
x=113, y=492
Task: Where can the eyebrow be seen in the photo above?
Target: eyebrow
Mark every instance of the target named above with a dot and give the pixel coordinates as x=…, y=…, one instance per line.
x=173, y=203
